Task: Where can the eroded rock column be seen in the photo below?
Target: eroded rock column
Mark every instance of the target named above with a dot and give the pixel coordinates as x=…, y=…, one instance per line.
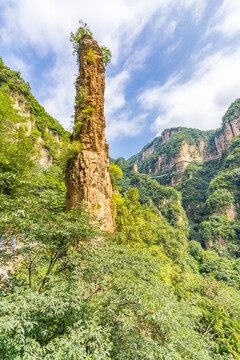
x=87, y=176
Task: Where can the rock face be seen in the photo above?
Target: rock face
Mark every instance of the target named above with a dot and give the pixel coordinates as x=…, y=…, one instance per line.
x=148, y=152
x=87, y=176
x=186, y=155
x=165, y=136
x=231, y=130
x=19, y=103
x=134, y=168
x=192, y=145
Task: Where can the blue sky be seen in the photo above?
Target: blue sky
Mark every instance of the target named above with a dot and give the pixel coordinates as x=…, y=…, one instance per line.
x=175, y=62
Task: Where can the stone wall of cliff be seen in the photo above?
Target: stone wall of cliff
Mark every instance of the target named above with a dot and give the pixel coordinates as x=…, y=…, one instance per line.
x=50, y=137
x=165, y=136
x=44, y=158
x=87, y=176
x=180, y=146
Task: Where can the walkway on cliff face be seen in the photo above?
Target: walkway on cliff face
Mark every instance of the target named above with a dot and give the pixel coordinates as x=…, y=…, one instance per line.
x=185, y=161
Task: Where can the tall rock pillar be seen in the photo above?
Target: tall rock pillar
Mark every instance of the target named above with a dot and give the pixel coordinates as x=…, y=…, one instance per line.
x=87, y=176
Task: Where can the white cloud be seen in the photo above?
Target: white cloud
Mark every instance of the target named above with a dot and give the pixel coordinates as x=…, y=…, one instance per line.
x=199, y=102
x=177, y=8
x=170, y=28
x=18, y=64
x=172, y=48
x=227, y=19
x=59, y=90
x=120, y=122
x=203, y=52
x=123, y=126
x=137, y=60
x=198, y=8
x=44, y=26
x=47, y=24
x=114, y=94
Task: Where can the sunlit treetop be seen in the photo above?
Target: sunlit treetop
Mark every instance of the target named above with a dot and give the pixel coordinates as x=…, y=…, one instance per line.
x=84, y=29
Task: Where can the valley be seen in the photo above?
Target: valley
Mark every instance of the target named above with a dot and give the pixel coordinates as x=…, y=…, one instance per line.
x=115, y=258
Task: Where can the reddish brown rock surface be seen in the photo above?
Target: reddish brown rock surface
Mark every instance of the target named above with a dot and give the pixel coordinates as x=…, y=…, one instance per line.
x=87, y=176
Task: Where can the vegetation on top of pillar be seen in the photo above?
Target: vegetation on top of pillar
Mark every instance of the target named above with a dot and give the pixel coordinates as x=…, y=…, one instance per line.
x=78, y=35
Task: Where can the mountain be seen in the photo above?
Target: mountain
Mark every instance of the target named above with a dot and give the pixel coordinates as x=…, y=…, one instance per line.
x=15, y=94
x=203, y=166
x=177, y=147
x=164, y=285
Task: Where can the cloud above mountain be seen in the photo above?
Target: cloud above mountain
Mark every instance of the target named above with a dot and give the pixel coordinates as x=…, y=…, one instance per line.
x=174, y=62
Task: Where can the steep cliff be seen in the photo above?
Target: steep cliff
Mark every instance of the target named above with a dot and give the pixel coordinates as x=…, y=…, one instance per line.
x=87, y=176
x=204, y=167
x=178, y=147
x=50, y=137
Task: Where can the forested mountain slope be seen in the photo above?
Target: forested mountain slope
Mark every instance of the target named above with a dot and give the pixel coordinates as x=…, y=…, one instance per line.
x=176, y=148
x=204, y=169
x=71, y=291
x=17, y=100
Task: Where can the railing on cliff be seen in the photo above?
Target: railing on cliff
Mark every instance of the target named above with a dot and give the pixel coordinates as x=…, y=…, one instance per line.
x=185, y=161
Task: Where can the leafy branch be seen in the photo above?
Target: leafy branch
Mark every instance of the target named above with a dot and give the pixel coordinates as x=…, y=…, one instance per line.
x=84, y=29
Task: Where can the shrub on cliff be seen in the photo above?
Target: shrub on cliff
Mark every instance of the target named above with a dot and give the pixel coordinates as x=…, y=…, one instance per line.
x=84, y=29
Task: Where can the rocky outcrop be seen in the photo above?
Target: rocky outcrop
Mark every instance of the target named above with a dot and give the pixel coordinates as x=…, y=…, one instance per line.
x=230, y=130
x=187, y=154
x=49, y=137
x=146, y=153
x=87, y=176
x=134, y=168
x=44, y=157
x=200, y=151
x=174, y=150
x=165, y=136
x=19, y=103
x=231, y=212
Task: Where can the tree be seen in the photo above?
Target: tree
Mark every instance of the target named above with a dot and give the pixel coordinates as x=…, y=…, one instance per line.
x=77, y=36
x=115, y=173
x=17, y=151
x=84, y=29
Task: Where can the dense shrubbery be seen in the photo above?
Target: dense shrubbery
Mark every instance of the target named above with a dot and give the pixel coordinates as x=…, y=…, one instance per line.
x=12, y=83
x=232, y=112
x=72, y=292
x=222, y=206
x=71, y=295
x=219, y=201
x=209, y=191
x=137, y=224
x=16, y=149
x=46, y=132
